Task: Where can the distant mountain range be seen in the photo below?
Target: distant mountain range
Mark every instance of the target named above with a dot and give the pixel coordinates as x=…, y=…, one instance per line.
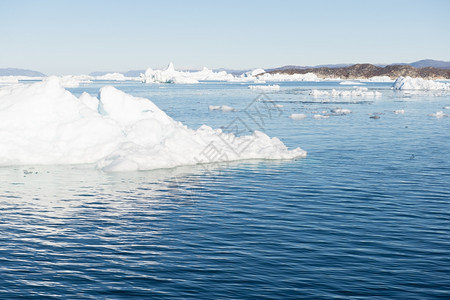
x=425, y=63
x=20, y=72
x=368, y=70
x=417, y=64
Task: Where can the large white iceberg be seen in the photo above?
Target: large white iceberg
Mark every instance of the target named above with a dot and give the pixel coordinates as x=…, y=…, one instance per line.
x=43, y=123
x=170, y=75
x=408, y=83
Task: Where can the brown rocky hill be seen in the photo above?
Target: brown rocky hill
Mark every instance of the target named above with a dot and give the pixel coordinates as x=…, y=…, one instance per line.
x=365, y=71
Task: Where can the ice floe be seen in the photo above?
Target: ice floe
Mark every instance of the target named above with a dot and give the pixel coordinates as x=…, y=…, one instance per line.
x=358, y=92
x=408, y=83
x=399, y=111
x=340, y=111
x=350, y=82
x=438, y=114
x=298, y=116
x=221, y=107
x=320, y=116
x=274, y=87
x=43, y=123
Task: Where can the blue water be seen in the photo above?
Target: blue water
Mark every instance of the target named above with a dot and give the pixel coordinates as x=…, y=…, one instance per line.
x=365, y=215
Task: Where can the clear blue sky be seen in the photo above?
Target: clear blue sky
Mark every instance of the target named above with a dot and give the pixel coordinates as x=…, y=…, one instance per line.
x=75, y=37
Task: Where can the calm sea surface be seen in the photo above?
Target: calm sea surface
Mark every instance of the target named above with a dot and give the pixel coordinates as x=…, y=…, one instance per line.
x=365, y=215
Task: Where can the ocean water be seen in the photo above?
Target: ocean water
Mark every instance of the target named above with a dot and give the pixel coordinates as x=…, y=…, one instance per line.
x=365, y=215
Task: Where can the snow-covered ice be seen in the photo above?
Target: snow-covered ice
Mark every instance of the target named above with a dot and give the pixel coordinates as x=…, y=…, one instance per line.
x=274, y=87
x=297, y=116
x=408, y=83
x=42, y=123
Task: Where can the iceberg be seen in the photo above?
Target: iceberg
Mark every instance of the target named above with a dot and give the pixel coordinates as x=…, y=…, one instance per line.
x=8, y=80
x=408, y=83
x=383, y=78
x=43, y=123
x=274, y=87
x=115, y=77
x=170, y=75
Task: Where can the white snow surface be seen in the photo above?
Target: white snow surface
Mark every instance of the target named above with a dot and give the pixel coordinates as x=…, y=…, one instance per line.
x=42, y=123
x=274, y=87
x=408, y=83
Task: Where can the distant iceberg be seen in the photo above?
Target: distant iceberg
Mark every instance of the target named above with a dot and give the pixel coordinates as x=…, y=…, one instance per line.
x=408, y=83
x=115, y=77
x=170, y=75
x=8, y=80
x=42, y=123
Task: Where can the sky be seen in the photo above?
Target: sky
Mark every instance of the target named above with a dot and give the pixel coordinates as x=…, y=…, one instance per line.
x=78, y=37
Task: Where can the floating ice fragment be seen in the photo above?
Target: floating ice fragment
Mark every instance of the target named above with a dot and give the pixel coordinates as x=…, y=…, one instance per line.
x=221, y=107
x=439, y=114
x=297, y=116
x=274, y=87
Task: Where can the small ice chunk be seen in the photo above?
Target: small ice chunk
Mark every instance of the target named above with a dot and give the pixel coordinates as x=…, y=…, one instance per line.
x=341, y=111
x=439, y=114
x=297, y=116
x=221, y=107
x=320, y=117
x=399, y=111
